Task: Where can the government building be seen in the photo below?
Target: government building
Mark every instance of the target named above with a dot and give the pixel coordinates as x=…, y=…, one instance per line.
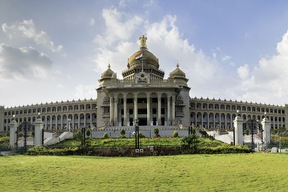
x=143, y=95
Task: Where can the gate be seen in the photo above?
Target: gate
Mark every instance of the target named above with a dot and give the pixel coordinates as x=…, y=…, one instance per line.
x=25, y=127
x=253, y=127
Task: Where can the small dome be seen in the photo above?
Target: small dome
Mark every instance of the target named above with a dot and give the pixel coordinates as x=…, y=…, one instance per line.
x=177, y=73
x=108, y=73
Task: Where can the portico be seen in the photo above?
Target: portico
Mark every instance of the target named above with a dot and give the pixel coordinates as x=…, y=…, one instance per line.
x=151, y=108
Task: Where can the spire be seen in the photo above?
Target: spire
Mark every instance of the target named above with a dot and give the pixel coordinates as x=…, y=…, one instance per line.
x=143, y=40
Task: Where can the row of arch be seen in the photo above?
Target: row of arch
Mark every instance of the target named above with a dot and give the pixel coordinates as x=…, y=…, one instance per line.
x=234, y=107
x=225, y=120
x=51, y=109
x=60, y=122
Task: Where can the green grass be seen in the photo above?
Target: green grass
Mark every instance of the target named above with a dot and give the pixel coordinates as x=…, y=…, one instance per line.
x=237, y=172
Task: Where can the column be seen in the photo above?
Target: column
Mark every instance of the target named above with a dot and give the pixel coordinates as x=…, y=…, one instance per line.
x=266, y=130
x=135, y=107
x=115, y=111
x=238, y=130
x=159, y=109
x=173, y=110
x=168, y=109
x=38, y=132
x=125, y=109
x=111, y=110
x=148, y=109
x=13, y=135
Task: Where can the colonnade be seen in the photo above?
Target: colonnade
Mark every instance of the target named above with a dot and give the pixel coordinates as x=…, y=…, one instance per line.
x=159, y=108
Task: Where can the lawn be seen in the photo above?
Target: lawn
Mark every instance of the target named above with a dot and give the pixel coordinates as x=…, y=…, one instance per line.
x=234, y=172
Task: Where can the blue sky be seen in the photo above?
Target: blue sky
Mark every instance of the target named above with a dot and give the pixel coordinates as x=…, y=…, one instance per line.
x=56, y=50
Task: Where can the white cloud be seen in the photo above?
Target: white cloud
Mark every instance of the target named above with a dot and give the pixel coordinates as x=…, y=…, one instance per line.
x=28, y=30
x=25, y=62
x=268, y=81
x=226, y=58
x=243, y=72
x=92, y=22
x=85, y=91
x=119, y=27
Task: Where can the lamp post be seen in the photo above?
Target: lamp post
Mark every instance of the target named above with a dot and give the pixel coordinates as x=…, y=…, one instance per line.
x=137, y=135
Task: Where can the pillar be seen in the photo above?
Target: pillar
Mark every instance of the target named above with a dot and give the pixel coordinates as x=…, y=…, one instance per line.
x=266, y=125
x=38, y=131
x=125, y=109
x=13, y=133
x=135, y=107
x=116, y=111
x=111, y=109
x=238, y=129
x=159, y=109
x=173, y=110
x=148, y=109
x=168, y=109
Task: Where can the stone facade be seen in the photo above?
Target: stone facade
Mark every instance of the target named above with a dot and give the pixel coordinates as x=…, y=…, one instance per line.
x=145, y=95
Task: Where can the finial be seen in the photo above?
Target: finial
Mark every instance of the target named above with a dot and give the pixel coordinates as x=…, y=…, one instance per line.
x=143, y=40
x=177, y=65
x=109, y=66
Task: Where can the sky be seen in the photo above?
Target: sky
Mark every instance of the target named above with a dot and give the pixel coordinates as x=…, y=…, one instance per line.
x=56, y=50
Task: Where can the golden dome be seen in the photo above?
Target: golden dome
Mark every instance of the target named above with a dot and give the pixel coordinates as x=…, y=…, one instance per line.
x=143, y=56
x=177, y=73
x=108, y=73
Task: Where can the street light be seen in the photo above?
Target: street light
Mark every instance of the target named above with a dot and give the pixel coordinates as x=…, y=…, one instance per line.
x=137, y=135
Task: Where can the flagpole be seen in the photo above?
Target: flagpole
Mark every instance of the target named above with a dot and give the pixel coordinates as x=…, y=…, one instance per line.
x=142, y=60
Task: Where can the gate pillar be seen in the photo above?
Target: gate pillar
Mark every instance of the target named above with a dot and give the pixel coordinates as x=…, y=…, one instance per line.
x=238, y=129
x=266, y=130
x=38, y=131
x=13, y=133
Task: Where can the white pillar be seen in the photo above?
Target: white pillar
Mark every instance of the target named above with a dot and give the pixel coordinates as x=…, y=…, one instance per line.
x=173, y=110
x=125, y=110
x=266, y=130
x=135, y=107
x=13, y=135
x=148, y=108
x=238, y=129
x=159, y=108
x=111, y=109
x=116, y=111
x=168, y=109
x=38, y=131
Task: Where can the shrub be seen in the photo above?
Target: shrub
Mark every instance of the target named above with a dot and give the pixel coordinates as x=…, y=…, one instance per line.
x=88, y=133
x=32, y=133
x=105, y=136
x=78, y=135
x=190, y=142
x=175, y=134
x=122, y=133
x=156, y=132
x=20, y=135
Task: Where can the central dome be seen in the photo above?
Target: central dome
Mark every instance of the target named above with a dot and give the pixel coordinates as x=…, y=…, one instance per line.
x=143, y=60
x=143, y=55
